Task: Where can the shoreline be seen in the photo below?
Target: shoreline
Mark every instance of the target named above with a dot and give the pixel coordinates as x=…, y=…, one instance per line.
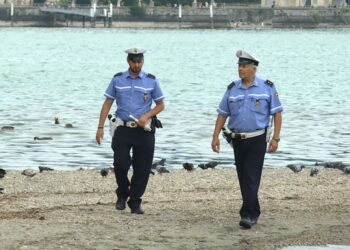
x=184, y=210
x=168, y=25
x=136, y=25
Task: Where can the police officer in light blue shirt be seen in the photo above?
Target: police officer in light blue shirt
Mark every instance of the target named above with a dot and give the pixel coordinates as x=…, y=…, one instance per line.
x=134, y=91
x=248, y=103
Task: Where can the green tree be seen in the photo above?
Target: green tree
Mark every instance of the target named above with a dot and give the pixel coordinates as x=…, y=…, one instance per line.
x=65, y=3
x=106, y=2
x=131, y=2
x=83, y=2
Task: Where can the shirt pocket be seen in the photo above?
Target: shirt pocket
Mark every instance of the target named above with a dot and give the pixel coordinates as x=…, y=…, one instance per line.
x=142, y=96
x=123, y=95
x=259, y=104
x=235, y=104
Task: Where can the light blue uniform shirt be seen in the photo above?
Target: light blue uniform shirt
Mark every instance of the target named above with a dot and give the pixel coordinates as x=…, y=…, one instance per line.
x=133, y=96
x=249, y=109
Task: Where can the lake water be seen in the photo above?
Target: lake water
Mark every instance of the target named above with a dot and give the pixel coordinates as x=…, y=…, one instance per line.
x=46, y=73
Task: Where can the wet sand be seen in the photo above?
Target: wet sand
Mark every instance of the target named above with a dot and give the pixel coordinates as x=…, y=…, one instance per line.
x=184, y=210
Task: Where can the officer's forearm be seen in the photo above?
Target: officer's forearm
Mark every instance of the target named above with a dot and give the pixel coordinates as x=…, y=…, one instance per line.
x=156, y=110
x=104, y=112
x=277, y=124
x=220, y=121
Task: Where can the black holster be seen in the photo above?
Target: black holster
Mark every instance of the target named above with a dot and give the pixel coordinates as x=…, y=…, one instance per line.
x=155, y=123
x=227, y=135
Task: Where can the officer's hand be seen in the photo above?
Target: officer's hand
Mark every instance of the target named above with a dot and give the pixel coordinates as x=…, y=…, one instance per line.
x=99, y=135
x=215, y=144
x=272, y=146
x=142, y=120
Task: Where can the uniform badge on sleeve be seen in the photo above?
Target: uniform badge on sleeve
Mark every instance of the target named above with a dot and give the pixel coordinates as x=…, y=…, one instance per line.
x=145, y=96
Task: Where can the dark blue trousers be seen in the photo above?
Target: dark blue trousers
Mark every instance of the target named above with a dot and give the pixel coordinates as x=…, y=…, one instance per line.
x=142, y=144
x=249, y=160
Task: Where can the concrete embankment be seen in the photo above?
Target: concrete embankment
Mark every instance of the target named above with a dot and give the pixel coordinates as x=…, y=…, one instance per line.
x=168, y=17
x=311, y=18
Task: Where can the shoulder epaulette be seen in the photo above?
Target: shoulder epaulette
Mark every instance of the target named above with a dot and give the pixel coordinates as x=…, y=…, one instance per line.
x=151, y=76
x=268, y=82
x=118, y=74
x=231, y=85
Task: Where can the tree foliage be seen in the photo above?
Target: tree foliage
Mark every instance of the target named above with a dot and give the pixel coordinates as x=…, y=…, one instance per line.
x=83, y=2
x=65, y=3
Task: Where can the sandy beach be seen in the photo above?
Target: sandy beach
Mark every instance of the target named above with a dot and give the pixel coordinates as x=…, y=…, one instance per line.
x=184, y=210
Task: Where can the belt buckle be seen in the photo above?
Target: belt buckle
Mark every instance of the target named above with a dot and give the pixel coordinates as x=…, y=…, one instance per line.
x=240, y=136
x=133, y=125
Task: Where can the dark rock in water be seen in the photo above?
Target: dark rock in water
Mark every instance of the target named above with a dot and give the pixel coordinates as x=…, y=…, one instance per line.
x=36, y=138
x=203, y=166
x=29, y=172
x=57, y=121
x=104, y=172
x=42, y=169
x=7, y=127
x=331, y=164
x=295, y=167
x=163, y=170
x=158, y=163
x=188, y=166
x=346, y=169
x=2, y=173
x=68, y=125
x=212, y=164
x=314, y=171
x=2, y=190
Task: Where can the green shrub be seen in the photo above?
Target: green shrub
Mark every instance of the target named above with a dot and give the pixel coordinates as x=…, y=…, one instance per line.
x=65, y=3
x=342, y=13
x=131, y=3
x=137, y=11
x=83, y=2
x=317, y=18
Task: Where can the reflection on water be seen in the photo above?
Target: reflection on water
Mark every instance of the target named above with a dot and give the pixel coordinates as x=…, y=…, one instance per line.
x=63, y=72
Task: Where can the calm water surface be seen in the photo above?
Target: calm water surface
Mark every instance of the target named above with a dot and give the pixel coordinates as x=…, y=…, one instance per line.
x=46, y=73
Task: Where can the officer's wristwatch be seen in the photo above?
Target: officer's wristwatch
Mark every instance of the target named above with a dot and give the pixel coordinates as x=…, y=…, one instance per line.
x=276, y=138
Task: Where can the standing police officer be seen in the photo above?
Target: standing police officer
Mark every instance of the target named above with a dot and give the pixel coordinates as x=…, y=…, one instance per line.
x=133, y=90
x=248, y=103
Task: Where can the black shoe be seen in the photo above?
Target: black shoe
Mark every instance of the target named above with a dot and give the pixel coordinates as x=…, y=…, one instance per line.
x=137, y=210
x=247, y=222
x=120, y=205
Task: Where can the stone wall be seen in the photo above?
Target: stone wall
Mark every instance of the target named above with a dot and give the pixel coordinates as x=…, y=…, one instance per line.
x=197, y=17
x=189, y=14
x=311, y=17
x=22, y=14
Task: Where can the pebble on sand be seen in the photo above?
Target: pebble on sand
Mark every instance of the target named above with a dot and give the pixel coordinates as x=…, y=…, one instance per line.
x=29, y=172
